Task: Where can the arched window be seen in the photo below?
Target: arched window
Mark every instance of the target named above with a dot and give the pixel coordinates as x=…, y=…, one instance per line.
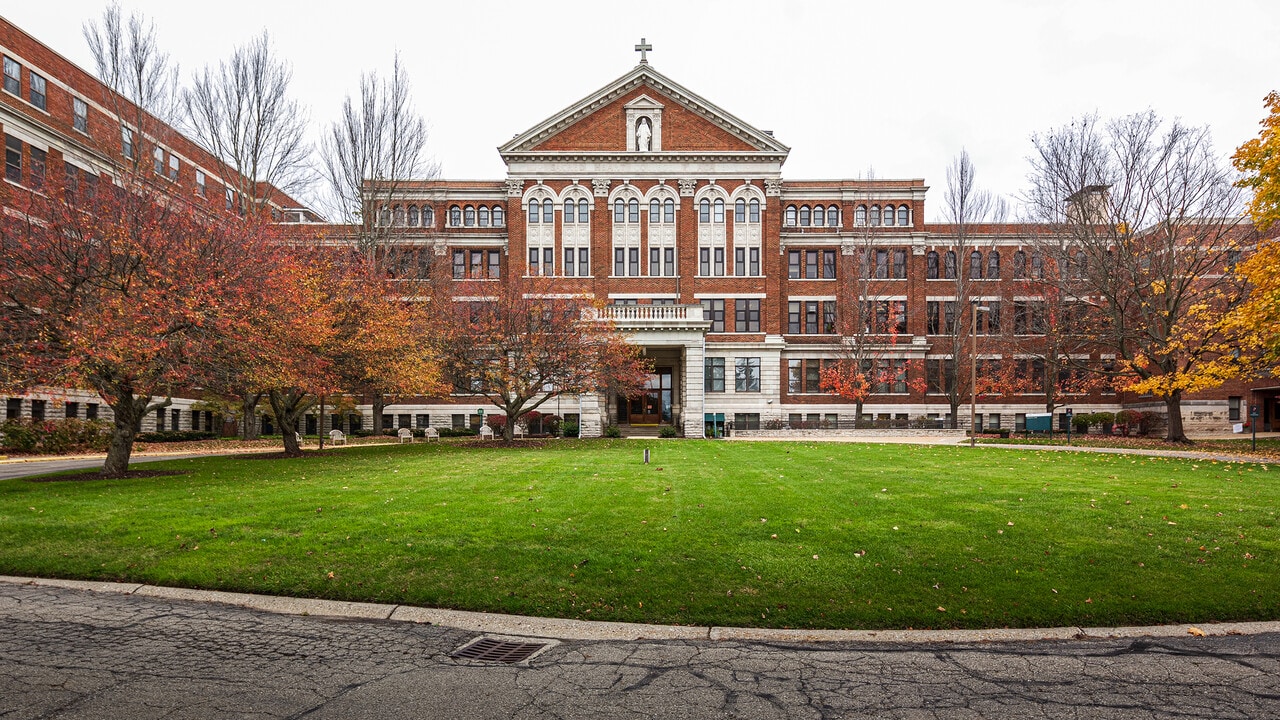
x=904, y=215
x=1081, y=265
x=833, y=216
x=619, y=210
x=633, y=211
x=1019, y=264
x=655, y=210
x=717, y=210
x=668, y=211
x=428, y=216
x=888, y=214
x=805, y=216
x=384, y=216
x=993, y=264
x=819, y=216
x=875, y=214
x=534, y=214
x=397, y=213
x=548, y=211
x=584, y=210
x=484, y=216
x=753, y=211
x=704, y=210
x=455, y=216
x=931, y=265
x=949, y=265
x=469, y=216
x=413, y=216
x=975, y=264
x=790, y=216
x=1037, y=266
x=740, y=210
x=569, y=214
x=860, y=216
x=498, y=216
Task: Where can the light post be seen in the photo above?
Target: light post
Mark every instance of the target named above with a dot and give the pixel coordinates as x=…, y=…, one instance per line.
x=1253, y=425
x=973, y=374
x=1070, y=415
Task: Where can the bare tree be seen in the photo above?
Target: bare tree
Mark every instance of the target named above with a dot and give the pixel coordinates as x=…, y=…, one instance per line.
x=141, y=81
x=1144, y=213
x=966, y=210
x=241, y=113
x=366, y=156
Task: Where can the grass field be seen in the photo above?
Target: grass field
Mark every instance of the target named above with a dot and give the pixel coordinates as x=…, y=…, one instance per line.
x=761, y=534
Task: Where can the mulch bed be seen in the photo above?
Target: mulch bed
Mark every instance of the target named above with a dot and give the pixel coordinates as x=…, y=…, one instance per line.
x=282, y=455
x=78, y=477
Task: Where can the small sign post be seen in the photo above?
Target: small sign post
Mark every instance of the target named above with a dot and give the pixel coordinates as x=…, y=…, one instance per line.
x=1070, y=415
x=1253, y=425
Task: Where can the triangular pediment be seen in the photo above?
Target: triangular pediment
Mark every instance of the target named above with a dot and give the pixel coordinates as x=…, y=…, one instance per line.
x=677, y=122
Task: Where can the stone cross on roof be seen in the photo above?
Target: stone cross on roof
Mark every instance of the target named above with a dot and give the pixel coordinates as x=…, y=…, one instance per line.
x=643, y=48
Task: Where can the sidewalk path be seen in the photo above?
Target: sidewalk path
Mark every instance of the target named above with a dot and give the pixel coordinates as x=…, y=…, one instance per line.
x=1182, y=454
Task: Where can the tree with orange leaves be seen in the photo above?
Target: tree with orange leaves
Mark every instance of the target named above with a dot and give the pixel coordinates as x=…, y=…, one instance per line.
x=519, y=344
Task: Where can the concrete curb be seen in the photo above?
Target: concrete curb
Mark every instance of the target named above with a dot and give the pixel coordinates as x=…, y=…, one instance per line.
x=561, y=629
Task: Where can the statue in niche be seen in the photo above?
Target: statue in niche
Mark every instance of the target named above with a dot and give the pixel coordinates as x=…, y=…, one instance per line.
x=644, y=135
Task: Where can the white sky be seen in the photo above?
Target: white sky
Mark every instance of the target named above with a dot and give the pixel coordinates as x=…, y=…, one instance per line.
x=897, y=88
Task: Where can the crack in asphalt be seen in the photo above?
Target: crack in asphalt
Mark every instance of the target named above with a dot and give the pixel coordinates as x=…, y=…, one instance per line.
x=67, y=653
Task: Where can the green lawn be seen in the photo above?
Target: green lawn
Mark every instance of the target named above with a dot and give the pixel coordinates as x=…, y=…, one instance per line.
x=764, y=534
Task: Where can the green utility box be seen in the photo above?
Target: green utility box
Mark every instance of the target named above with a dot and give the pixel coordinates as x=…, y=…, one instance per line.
x=1039, y=422
x=715, y=424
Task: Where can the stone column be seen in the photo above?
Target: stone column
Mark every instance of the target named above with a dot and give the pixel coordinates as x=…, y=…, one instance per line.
x=692, y=386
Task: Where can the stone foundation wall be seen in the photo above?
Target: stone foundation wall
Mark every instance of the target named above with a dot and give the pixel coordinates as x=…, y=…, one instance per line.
x=870, y=434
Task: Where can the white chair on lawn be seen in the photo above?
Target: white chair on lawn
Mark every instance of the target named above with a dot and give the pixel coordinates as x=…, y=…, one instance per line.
x=486, y=432
x=299, y=436
x=405, y=435
x=336, y=437
x=431, y=434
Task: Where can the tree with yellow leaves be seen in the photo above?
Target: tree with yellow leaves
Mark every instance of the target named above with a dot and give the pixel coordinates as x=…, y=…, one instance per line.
x=1258, y=319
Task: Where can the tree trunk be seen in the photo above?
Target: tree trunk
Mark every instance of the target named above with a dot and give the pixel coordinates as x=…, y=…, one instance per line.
x=955, y=413
x=857, y=414
x=379, y=404
x=129, y=411
x=1173, y=406
x=289, y=406
x=249, y=428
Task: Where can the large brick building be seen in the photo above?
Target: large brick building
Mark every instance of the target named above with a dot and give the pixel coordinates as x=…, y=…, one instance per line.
x=736, y=280
x=739, y=283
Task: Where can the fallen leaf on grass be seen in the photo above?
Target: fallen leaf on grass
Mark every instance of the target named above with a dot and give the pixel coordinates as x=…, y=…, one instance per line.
x=1193, y=630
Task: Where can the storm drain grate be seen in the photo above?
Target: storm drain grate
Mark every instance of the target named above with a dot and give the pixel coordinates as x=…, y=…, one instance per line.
x=495, y=650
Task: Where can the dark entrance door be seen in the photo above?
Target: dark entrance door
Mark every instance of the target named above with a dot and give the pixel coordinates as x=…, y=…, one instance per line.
x=653, y=405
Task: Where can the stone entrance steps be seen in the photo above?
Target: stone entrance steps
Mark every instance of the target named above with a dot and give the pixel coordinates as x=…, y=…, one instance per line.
x=640, y=431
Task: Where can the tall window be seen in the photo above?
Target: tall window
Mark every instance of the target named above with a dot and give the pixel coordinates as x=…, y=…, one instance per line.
x=483, y=216
x=158, y=160
x=740, y=211
x=12, y=76
x=1019, y=264
x=39, y=166
x=469, y=216
x=713, y=375
x=860, y=216
x=499, y=217
x=940, y=317
x=413, y=216
x=789, y=216
x=805, y=216
x=570, y=212
x=746, y=315
x=12, y=158
x=819, y=216
x=811, y=264
x=626, y=237
x=712, y=237
x=975, y=265
x=949, y=265
x=753, y=211
x=904, y=215
x=746, y=374
x=662, y=237
x=476, y=264
x=126, y=142
x=80, y=115
x=173, y=168
x=202, y=184
x=993, y=264
x=899, y=264
x=455, y=215
x=713, y=310
x=833, y=216
x=931, y=265
x=885, y=316
x=875, y=215
x=39, y=98
x=888, y=214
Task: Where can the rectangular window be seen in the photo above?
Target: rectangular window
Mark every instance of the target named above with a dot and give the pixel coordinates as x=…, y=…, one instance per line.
x=713, y=310
x=12, y=159
x=793, y=264
x=91, y=411
x=568, y=262
x=805, y=375
x=655, y=261
x=176, y=417
x=746, y=376
x=669, y=266
x=72, y=410
x=619, y=262
x=126, y=143
x=80, y=115
x=899, y=264
x=160, y=420
x=12, y=77
x=39, y=166
x=230, y=198
x=747, y=316
x=584, y=264
x=13, y=409
x=458, y=421
x=534, y=256
x=739, y=261
x=459, y=264
x=494, y=264
x=746, y=421
x=713, y=375
x=828, y=264
x=39, y=97
x=158, y=160
x=811, y=264
x=202, y=183
x=1233, y=408
x=882, y=264
x=718, y=255
x=633, y=261
x=173, y=168
x=753, y=262
x=811, y=317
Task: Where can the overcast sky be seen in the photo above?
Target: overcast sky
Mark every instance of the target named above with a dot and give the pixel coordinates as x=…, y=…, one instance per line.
x=897, y=89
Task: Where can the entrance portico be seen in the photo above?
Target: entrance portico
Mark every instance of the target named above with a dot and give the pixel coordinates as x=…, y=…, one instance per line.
x=673, y=338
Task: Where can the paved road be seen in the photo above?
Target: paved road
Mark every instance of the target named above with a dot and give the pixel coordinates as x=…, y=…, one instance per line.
x=45, y=467
x=75, y=654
